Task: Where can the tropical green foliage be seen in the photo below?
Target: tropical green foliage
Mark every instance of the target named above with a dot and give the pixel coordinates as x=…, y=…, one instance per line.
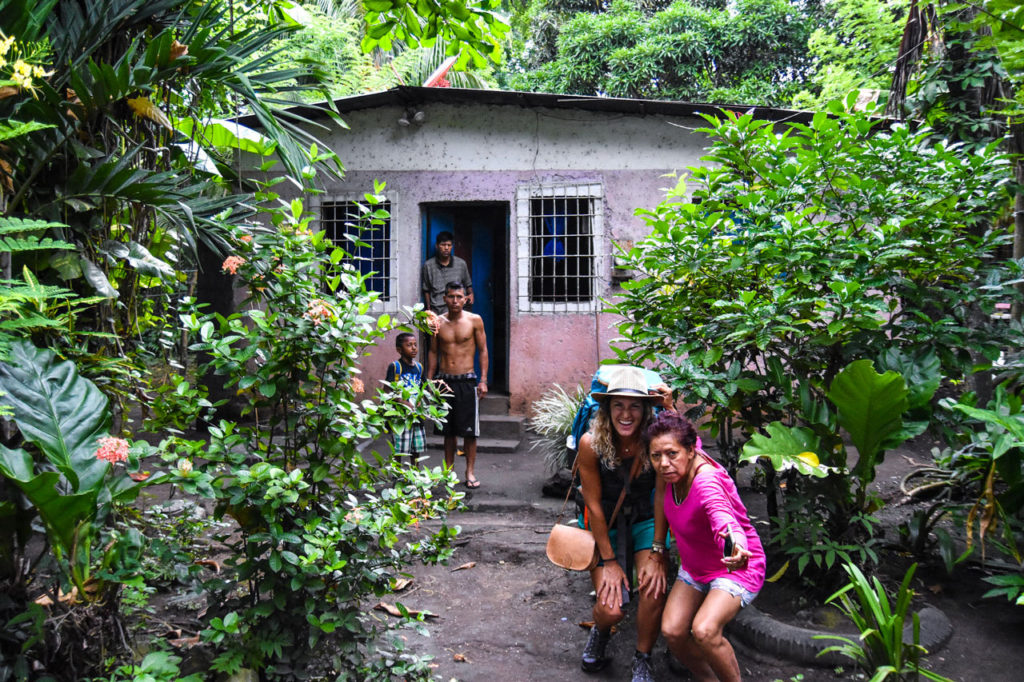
x=855, y=50
x=553, y=415
x=754, y=52
x=869, y=407
x=470, y=29
x=329, y=38
x=118, y=174
x=321, y=527
x=802, y=251
x=881, y=650
x=62, y=416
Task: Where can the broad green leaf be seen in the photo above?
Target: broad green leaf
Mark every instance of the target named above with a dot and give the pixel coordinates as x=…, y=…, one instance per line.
x=1014, y=424
x=57, y=410
x=225, y=134
x=788, y=447
x=62, y=514
x=95, y=277
x=870, y=407
x=11, y=128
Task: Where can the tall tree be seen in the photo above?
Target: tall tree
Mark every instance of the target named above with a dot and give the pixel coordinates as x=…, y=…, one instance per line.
x=752, y=52
x=854, y=50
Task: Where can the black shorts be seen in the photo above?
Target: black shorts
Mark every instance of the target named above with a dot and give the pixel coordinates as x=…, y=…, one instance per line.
x=463, y=416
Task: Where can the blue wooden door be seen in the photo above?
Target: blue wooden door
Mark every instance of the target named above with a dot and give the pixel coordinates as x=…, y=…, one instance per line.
x=480, y=238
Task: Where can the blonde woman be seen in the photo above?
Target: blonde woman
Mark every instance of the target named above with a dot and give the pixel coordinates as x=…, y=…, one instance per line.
x=613, y=455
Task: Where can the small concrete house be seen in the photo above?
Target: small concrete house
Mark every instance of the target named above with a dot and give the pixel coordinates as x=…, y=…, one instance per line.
x=536, y=188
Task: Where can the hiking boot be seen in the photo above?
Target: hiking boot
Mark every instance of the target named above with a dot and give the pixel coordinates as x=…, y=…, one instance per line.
x=593, y=653
x=642, y=668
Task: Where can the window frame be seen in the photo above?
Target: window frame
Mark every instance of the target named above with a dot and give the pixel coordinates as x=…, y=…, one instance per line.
x=381, y=305
x=525, y=194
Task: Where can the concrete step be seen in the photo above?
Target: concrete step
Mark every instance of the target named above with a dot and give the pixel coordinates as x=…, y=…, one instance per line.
x=502, y=426
x=494, y=403
x=483, y=444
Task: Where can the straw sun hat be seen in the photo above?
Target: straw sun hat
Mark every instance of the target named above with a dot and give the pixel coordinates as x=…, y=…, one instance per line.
x=627, y=382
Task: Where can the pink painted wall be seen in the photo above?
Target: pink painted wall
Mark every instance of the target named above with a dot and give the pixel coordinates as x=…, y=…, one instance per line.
x=483, y=154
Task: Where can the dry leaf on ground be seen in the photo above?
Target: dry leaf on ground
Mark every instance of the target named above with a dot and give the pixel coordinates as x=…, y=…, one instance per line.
x=468, y=564
x=394, y=611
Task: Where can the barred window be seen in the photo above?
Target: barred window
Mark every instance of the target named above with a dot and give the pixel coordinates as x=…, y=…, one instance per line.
x=348, y=225
x=559, y=229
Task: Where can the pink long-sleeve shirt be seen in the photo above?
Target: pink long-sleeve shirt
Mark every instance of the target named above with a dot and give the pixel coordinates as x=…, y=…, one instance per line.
x=712, y=506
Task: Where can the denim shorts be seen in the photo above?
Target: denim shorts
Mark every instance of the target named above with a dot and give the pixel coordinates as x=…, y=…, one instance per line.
x=724, y=584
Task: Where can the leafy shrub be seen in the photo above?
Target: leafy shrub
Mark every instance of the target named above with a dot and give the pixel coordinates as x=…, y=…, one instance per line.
x=320, y=528
x=880, y=650
x=552, y=419
x=802, y=251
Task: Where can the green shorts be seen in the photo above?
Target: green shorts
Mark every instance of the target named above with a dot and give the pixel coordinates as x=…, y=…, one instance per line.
x=642, y=531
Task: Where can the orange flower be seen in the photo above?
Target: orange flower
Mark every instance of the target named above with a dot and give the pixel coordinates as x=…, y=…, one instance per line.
x=112, y=449
x=231, y=264
x=357, y=385
x=317, y=311
x=433, y=321
x=247, y=238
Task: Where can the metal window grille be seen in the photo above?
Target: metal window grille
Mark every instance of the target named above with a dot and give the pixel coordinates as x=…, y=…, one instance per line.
x=368, y=246
x=558, y=240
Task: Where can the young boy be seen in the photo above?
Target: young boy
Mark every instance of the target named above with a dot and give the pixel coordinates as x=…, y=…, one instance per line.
x=412, y=440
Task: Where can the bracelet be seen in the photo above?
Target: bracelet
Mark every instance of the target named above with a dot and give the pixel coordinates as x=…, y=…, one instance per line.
x=657, y=547
x=601, y=560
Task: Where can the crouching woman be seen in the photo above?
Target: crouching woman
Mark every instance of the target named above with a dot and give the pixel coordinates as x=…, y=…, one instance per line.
x=623, y=507
x=722, y=562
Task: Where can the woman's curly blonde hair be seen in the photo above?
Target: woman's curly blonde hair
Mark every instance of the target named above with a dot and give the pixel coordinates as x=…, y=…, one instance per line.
x=604, y=439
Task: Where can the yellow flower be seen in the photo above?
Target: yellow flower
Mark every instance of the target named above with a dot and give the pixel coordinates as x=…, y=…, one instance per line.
x=810, y=458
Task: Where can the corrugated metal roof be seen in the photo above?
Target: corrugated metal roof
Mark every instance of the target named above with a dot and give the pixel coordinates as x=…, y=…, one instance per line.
x=407, y=96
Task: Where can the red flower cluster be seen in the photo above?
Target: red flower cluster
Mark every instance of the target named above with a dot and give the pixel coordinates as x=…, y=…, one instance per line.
x=231, y=264
x=112, y=449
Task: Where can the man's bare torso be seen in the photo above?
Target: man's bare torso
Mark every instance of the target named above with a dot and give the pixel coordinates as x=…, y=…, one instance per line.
x=457, y=340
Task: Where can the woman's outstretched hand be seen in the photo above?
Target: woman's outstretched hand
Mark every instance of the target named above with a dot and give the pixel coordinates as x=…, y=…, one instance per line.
x=736, y=561
x=666, y=395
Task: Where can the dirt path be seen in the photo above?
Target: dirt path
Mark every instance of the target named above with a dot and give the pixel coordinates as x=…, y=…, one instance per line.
x=514, y=616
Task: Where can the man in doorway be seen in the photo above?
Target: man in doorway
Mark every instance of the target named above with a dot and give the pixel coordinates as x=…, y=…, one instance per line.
x=442, y=268
x=453, y=350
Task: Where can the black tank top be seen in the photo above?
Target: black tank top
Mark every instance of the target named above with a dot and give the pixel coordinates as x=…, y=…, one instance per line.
x=639, y=502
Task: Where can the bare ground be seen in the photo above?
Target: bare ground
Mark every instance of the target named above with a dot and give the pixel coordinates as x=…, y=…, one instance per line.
x=503, y=612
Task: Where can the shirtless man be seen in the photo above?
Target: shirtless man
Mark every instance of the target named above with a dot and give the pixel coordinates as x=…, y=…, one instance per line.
x=460, y=337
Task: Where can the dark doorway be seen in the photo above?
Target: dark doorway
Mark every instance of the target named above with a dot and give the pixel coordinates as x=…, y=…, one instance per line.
x=481, y=239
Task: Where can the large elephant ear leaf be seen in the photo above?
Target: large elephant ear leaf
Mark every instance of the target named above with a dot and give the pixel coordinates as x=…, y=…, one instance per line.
x=870, y=407
x=62, y=413
x=61, y=514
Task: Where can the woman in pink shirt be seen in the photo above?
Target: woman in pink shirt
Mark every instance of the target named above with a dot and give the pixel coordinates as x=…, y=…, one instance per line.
x=715, y=581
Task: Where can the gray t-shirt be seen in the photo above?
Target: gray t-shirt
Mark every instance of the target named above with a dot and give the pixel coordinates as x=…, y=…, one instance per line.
x=435, y=277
